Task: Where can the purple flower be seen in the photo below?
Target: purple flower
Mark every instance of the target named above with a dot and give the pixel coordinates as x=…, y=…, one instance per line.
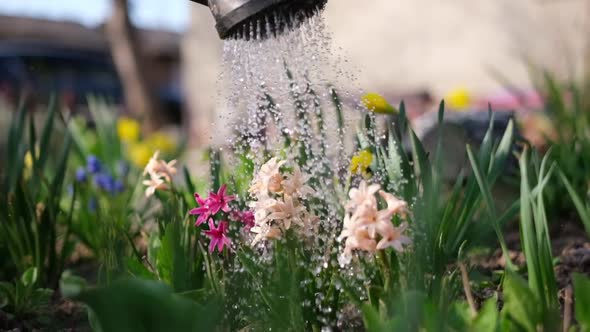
x=93, y=164
x=81, y=174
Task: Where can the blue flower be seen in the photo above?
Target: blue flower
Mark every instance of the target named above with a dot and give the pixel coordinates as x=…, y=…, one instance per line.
x=81, y=174
x=105, y=182
x=93, y=164
x=119, y=187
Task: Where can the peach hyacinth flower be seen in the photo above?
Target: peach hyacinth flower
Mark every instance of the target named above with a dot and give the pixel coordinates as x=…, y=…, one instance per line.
x=369, y=229
x=268, y=178
x=154, y=183
x=160, y=167
x=278, y=203
x=160, y=172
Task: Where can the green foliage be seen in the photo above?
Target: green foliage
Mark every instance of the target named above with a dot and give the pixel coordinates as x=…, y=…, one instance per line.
x=23, y=296
x=415, y=311
x=536, y=243
x=571, y=145
x=32, y=207
x=582, y=299
x=487, y=320
x=175, y=253
x=177, y=285
x=141, y=305
x=521, y=304
x=444, y=224
x=285, y=290
x=583, y=207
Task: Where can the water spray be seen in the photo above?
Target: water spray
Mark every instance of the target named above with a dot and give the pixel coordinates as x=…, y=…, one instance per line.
x=242, y=18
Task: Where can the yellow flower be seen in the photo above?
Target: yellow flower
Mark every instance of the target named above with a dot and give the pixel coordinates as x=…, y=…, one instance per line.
x=361, y=162
x=376, y=103
x=458, y=99
x=140, y=154
x=28, y=160
x=128, y=129
x=159, y=141
x=28, y=163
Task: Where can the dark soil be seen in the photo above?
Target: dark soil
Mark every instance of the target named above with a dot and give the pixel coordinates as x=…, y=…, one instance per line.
x=570, y=248
x=60, y=315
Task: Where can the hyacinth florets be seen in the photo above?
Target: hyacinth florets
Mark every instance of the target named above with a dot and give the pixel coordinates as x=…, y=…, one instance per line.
x=369, y=229
x=216, y=206
x=208, y=208
x=160, y=174
x=279, y=202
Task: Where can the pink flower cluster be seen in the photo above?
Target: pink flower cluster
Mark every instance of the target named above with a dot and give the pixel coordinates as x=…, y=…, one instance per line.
x=210, y=207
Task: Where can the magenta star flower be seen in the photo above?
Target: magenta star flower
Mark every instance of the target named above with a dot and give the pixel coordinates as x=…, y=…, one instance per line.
x=202, y=211
x=244, y=217
x=217, y=235
x=218, y=201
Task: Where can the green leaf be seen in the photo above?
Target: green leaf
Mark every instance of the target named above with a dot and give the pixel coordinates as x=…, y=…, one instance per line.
x=56, y=185
x=44, y=141
x=488, y=317
x=490, y=206
x=71, y=286
x=520, y=303
x=582, y=209
x=41, y=297
x=7, y=294
x=187, y=180
x=373, y=321
x=29, y=277
x=137, y=269
x=582, y=300
x=140, y=305
x=171, y=262
x=502, y=152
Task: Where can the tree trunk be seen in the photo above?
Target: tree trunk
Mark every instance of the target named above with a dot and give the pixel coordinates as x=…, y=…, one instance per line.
x=128, y=61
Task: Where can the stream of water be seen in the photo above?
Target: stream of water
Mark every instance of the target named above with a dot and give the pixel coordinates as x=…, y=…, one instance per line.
x=284, y=86
x=285, y=97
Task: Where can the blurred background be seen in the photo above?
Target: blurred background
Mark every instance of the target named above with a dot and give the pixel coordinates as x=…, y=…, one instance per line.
x=160, y=60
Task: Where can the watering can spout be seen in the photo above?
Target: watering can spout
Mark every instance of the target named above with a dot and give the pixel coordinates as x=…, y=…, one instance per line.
x=238, y=18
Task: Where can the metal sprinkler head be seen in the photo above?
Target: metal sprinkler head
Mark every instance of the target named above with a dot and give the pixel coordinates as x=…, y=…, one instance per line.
x=241, y=18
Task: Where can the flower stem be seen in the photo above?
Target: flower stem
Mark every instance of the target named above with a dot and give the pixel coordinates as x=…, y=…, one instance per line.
x=385, y=270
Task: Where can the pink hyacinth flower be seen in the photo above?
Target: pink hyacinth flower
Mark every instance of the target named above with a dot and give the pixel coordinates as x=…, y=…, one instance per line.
x=202, y=211
x=218, y=236
x=244, y=217
x=218, y=201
